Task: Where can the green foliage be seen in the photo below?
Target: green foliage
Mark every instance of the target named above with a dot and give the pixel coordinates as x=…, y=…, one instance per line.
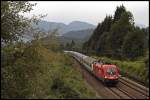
x=116, y=37
x=147, y=70
x=72, y=43
x=118, y=13
x=61, y=90
x=118, y=32
x=93, y=43
x=37, y=69
x=13, y=23
x=70, y=46
x=134, y=44
x=103, y=47
x=40, y=72
x=51, y=42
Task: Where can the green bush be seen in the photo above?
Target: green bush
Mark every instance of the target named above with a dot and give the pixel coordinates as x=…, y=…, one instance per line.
x=41, y=73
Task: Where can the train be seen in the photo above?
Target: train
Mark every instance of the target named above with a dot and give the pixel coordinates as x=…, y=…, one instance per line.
x=106, y=72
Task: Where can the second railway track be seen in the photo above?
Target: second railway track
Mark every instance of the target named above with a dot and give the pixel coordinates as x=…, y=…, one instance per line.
x=135, y=90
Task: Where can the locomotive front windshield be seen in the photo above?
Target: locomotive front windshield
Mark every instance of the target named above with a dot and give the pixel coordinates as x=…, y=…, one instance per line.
x=111, y=71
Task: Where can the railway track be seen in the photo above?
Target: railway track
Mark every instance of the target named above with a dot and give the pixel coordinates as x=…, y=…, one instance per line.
x=119, y=93
x=135, y=90
x=125, y=89
x=135, y=86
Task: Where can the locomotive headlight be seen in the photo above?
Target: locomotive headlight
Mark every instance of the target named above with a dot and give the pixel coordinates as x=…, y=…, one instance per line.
x=105, y=77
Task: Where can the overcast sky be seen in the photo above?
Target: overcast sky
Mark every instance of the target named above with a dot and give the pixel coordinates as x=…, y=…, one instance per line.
x=89, y=11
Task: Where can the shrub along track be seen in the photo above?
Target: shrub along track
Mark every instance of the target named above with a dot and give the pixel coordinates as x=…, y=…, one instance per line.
x=125, y=89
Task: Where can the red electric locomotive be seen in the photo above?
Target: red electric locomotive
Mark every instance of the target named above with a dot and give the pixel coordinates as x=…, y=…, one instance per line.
x=106, y=72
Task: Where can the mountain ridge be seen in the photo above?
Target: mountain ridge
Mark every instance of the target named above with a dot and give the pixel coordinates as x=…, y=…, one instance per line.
x=47, y=26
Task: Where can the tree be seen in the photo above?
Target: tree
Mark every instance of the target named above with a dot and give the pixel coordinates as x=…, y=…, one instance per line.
x=85, y=47
x=102, y=41
x=103, y=48
x=118, y=13
x=118, y=31
x=91, y=43
x=94, y=41
x=147, y=70
x=12, y=22
x=67, y=46
x=146, y=30
x=108, y=39
x=72, y=44
x=134, y=44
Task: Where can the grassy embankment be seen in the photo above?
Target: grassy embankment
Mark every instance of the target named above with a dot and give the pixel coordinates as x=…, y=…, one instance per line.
x=42, y=71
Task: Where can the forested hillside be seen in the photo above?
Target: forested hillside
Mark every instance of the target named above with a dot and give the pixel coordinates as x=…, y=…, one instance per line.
x=118, y=37
x=81, y=34
x=78, y=37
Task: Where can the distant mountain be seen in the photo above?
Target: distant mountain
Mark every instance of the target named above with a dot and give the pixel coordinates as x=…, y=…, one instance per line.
x=49, y=26
x=75, y=29
x=79, y=37
x=82, y=34
x=63, y=28
x=78, y=25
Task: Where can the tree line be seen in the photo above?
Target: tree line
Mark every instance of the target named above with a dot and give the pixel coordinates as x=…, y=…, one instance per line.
x=70, y=46
x=117, y=36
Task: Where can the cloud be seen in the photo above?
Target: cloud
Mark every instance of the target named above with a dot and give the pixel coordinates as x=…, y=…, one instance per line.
x=89, y=11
